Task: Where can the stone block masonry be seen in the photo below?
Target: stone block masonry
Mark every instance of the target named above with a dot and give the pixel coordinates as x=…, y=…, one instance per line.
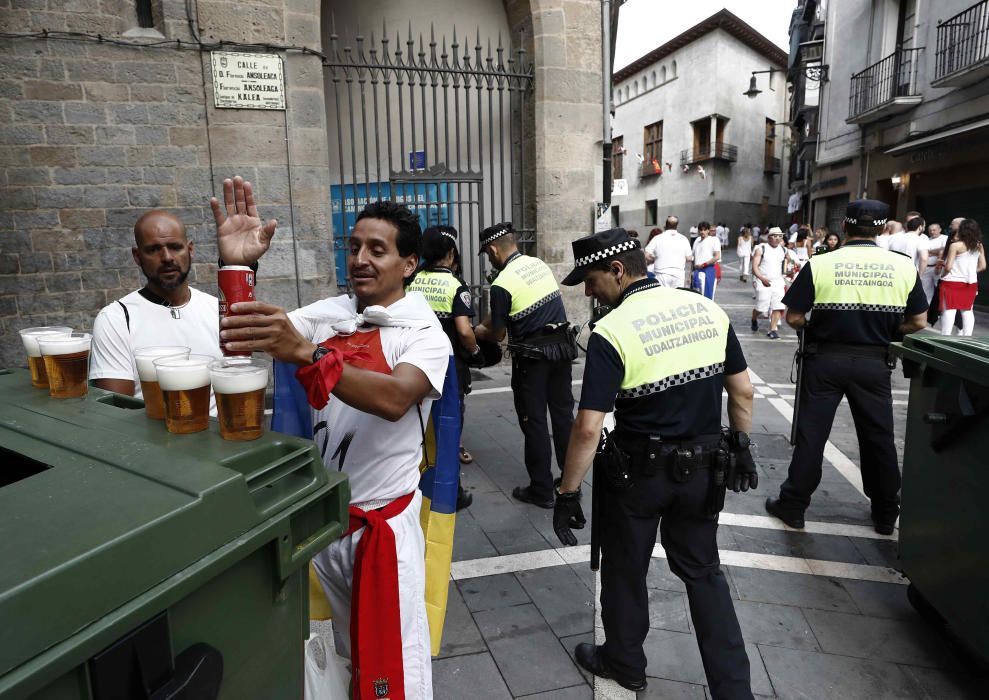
x=92, y=135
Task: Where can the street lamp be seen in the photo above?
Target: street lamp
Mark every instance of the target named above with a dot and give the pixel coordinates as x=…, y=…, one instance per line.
x=814, y=72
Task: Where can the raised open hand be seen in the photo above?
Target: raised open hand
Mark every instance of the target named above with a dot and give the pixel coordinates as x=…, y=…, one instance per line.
x=241, y=236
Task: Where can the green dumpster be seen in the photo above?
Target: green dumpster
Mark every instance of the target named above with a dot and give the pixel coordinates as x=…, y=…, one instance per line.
x=944, y=523
x=136, y=564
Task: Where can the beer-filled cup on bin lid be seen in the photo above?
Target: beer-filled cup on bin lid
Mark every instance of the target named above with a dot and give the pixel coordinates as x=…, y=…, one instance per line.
x=236, y=284
x=66, y=359
x=184, y=382
x=35, y=363
x=239, y=384
x=145, y=358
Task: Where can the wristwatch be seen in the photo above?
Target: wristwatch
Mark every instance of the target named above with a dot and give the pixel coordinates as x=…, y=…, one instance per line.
x=319, y=353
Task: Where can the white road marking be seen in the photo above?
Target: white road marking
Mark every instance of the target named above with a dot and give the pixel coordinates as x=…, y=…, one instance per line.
x=766, y=522
x=527, y=561
x=506, y=389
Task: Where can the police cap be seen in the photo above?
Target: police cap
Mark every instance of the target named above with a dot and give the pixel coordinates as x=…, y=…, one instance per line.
x=592, y=249
x=867, y=213
x=493, y=233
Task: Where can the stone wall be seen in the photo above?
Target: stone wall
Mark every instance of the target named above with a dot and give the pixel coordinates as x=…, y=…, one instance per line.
x=566, y=138
x=92, y=135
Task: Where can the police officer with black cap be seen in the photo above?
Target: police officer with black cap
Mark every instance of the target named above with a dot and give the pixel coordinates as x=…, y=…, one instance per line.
x=660, y=360
x=861, y=298
x=526, y=303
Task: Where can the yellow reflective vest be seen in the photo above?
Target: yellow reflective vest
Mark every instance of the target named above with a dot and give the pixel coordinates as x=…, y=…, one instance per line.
x=862, y=278
x=440, y=289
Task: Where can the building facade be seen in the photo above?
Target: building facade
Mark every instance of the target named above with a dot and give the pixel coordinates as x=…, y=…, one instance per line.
x=904, y=113
x=689, y=142
x=119, y=117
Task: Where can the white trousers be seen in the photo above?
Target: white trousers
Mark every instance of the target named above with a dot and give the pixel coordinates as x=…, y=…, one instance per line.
x=335, y=568
x=929, y=281
x=746, y=261
x=670, y=278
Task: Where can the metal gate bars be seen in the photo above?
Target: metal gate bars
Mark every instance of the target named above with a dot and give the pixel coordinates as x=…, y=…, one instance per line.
x=439, y=130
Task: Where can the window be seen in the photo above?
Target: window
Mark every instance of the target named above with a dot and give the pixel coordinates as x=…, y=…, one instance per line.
x=651, y=209
x=674, y=70
x=653, y=145
x=770, y=156
x=615, y=217
x=145, y=16
x=617, y=157
x=662, y=73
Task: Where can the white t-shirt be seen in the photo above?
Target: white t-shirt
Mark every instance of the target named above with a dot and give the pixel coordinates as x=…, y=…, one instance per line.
x=670, y=250
x=964, y=268
x=744, y=248
x=771, y=263
x=882, y=240
x=705, y=248
x=381, y=458
x=112, y=353
x=910, y=243
x=934, y=247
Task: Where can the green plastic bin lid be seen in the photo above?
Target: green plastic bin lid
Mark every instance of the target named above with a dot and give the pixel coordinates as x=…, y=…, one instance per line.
x=967, y=357
x=98, y=504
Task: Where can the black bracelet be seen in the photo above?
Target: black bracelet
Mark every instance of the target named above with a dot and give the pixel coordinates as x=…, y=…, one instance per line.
x=319, y=353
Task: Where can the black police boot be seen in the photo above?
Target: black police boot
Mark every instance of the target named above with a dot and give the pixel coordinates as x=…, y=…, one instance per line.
x=591, y=659
x=775, y=507
x=524, y=494
x=464, y=499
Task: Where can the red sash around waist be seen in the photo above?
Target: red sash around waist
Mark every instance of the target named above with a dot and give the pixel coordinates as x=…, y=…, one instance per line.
x=375, y=619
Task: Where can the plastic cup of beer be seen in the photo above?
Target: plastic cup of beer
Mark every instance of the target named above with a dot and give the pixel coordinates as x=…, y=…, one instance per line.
x=239, y=384
x=154, y=405
x=67, y=363
x=29, y=336
x=184, y=382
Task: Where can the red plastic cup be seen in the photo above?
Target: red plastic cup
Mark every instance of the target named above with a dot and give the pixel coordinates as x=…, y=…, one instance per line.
x=236, y=283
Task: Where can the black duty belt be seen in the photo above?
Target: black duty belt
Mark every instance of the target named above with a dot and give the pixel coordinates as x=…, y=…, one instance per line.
x=679, y=457
x=847, y=349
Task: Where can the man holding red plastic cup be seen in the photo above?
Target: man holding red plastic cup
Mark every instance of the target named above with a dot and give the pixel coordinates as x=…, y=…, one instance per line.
x=371, y=364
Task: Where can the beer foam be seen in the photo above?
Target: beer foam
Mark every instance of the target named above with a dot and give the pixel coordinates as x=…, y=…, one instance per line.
x=181, y=375
x=30, y=340
x=239, y=380
x=145, y=360
x=63, y=345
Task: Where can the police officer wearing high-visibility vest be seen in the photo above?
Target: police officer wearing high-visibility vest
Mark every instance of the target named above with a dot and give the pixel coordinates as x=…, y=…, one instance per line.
x=660, y=360
x=526, y=303
x=861, y=298
x=450, y=299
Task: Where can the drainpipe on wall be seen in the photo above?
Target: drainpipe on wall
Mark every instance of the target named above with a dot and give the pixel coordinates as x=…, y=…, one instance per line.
x=606, y=100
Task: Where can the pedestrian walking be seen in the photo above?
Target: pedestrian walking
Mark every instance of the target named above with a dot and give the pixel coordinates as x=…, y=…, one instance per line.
x=668, y=253
x=912, y=242
x=450, y=299
x=707, y=255
x=527, y=306
x=862, y=297
x=966, y=258
x=743, y=249
x=660, y=360
x=769, y=263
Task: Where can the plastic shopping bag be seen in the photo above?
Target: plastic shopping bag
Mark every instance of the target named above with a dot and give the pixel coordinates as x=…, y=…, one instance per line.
x=326, y=679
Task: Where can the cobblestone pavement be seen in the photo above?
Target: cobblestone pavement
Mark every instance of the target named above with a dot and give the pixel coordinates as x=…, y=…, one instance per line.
x=824, y=612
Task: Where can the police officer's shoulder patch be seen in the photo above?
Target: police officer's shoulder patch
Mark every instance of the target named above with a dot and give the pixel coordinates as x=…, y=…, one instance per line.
x=465, y=298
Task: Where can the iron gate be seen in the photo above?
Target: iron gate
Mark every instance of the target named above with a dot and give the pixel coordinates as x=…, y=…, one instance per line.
x=440, y=130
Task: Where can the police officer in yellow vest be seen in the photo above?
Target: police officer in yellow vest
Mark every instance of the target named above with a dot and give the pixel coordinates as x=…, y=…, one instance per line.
x=526, y=303
x=660, y=360
x=450, y=299
x=861, y=297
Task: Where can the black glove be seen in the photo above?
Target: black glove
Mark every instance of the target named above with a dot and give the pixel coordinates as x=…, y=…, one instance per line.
x=568, y=514
x=742, y=471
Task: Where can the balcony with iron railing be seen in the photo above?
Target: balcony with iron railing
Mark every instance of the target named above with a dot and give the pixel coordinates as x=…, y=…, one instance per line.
x=771, y=166
x=885, y=88
x=962, y=56
x=712, y=151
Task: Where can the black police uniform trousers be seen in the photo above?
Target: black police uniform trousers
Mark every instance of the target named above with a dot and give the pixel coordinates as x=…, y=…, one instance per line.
x=538, y=385
x=629, y=521
x=865, y=380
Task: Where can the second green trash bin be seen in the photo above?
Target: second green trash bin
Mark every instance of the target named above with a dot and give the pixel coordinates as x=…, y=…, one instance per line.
x=944, y=521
